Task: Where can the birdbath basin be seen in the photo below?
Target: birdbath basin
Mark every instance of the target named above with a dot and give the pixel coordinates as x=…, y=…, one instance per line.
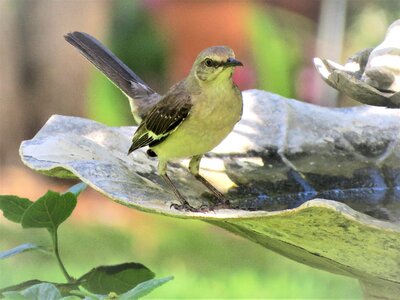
x=318, y=185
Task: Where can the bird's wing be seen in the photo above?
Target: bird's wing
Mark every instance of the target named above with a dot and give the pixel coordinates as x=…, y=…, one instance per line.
x=162, y=120
x=115, y=70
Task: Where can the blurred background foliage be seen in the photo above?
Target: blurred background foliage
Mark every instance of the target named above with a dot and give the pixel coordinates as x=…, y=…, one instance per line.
x=43, y=75
x=132, y=37
x=270, y=36
x=206, y=261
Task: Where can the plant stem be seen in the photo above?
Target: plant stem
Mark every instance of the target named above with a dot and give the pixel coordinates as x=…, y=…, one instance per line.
x=57, y=254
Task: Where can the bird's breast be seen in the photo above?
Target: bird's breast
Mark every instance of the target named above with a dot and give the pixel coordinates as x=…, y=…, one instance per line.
x=212, y=118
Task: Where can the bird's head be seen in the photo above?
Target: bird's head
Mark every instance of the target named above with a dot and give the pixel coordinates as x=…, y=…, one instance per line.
x=215, y=62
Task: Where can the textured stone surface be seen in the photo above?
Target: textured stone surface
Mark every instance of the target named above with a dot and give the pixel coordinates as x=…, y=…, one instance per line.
x=281, y=159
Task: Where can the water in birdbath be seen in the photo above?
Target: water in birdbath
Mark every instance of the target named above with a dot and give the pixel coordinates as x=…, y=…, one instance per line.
x=372, y=191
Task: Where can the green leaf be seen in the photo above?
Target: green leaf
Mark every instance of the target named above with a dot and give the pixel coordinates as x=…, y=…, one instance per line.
x=144, y=288
x=17, y=250
x=13, y=207
x=77, y=188
x=82, y=293
x=20, y=286
x=41, y=291
x=63, y=288
x=13, y=296
x=49, y=211
x=118, y=278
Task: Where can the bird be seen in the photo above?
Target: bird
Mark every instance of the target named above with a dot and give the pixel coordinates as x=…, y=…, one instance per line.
x=188, y=121
x=383, y=67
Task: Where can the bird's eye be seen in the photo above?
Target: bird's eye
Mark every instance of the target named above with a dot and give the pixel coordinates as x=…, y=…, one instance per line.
x=208, y=62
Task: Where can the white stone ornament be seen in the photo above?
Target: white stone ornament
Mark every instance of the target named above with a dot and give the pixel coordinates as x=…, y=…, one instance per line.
x=370, y=76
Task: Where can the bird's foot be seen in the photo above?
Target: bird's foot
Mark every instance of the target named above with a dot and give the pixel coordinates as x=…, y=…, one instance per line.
x=225, y=204
x=187, y=207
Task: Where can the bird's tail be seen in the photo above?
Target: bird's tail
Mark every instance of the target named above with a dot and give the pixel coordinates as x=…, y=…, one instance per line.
x=140, y=95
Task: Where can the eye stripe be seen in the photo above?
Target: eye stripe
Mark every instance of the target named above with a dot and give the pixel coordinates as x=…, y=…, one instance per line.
x=216, y=64
x=212, y=63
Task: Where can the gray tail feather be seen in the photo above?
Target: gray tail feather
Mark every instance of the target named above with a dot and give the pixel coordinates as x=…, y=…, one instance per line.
x=123, y=77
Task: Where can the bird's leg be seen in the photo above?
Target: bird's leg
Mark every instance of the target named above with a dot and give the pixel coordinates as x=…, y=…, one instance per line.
x=162, y=171
x=184, y=204
x=194, y=166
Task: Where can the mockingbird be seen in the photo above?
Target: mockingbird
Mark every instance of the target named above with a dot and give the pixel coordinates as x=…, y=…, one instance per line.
x=193, y=117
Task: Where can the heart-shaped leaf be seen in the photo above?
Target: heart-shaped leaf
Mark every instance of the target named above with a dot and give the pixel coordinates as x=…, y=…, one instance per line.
x=117, y=278
x=49, y=211
x=13, y=207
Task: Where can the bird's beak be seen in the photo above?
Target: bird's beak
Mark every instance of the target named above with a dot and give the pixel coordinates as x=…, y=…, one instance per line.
x=232, y=62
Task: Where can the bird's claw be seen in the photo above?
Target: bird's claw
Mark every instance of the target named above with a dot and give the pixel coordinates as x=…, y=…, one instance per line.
x=187, y=207
x=225, y=204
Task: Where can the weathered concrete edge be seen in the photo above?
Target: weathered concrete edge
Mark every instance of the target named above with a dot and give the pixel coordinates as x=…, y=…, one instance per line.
x=224, y=214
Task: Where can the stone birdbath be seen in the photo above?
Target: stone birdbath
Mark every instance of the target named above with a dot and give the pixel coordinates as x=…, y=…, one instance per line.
x=318, y=185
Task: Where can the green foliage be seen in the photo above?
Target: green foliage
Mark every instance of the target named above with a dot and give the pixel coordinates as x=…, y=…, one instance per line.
x=49, y=211
x=106, y=102
x=49, y=291
x=135, y=40
x=276, y=66
x=13, y=207
x=19, y=287
x=106, y=282
x=144, y=288
x=43, y=291
x=119, y=278
x=137, y=292
x=178, y=245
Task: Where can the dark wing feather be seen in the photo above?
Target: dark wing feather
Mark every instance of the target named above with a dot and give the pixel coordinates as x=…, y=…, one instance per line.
x=115, y=70
x=162, y=120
